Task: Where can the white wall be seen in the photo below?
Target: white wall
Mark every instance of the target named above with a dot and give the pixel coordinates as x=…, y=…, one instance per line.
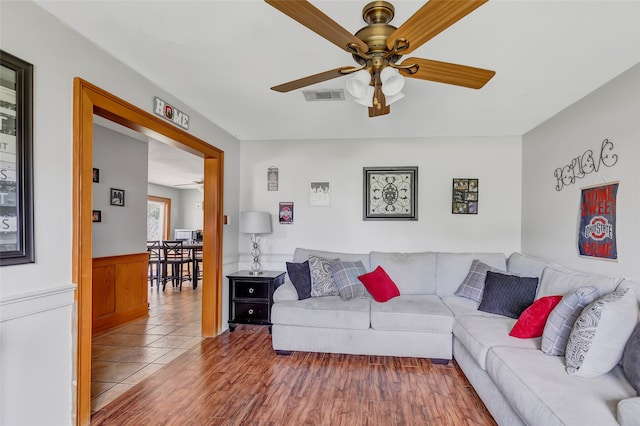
x=495, y=161
x=123, y=165
x=59, y=55
x=550, y=217
x=191, y=208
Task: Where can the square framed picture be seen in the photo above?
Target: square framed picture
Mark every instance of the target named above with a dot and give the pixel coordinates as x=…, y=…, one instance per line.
x=96, y=215
x=465, y=196
x=390, y=193
x=320, y=194
x=116, y=197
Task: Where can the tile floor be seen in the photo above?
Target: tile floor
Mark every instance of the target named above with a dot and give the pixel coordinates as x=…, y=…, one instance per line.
x=124, y=356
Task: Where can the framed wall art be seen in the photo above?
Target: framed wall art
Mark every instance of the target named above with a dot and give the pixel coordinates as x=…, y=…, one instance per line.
x=390, y=193
x=96, y=175
x=285, y=213
x=117, y=197
x=465, y=196
x=16, y=161
x=320, y=194
x=96, y=215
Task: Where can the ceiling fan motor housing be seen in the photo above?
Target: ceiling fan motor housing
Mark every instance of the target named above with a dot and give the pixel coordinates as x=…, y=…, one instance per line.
x=377, y=14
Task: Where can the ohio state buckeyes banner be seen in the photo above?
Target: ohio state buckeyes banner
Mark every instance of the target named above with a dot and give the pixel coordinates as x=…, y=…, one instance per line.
x=597, y=232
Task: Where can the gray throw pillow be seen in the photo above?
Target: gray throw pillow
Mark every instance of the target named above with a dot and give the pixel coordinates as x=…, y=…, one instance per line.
x=300, y=277
x=631, y=359
x=345, y=275
x=507, y=295
x=598, y=338
x=560, y=322
x=473, y=284
x=322, y=282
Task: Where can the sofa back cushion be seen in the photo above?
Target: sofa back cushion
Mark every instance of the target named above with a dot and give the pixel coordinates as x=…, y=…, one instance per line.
x=562, y=281
x=452, y=269
x=525, y=266
x=633, y=285
x=301, y=254
x=413, y=273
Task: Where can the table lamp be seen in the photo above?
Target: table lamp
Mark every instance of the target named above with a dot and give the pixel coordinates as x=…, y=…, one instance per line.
x=255, y=223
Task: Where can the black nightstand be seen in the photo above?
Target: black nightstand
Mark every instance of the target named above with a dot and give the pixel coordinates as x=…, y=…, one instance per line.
x=251, y=297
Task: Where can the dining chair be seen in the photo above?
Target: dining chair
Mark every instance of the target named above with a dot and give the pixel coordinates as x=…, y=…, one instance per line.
x=175, y=258
x=154, y=248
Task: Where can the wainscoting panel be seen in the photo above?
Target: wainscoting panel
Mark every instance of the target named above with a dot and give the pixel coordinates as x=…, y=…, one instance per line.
x=119, y=290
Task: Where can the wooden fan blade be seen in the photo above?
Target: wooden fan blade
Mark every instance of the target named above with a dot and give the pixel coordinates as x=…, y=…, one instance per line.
x=309, y=80
x=444, y=72
x=430, y=20
x=314, y=19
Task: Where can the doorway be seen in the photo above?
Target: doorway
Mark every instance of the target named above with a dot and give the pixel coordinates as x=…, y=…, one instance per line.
x=90, y=100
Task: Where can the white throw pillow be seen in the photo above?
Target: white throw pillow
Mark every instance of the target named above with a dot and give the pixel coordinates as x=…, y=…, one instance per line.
x=600, y=333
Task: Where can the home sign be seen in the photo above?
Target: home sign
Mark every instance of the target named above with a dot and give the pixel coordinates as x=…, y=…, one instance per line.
x=170, y=113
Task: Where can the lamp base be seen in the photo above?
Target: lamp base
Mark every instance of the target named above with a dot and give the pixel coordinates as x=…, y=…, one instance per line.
x=255, y=273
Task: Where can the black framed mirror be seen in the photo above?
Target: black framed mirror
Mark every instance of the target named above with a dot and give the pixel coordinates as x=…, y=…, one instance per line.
x=16, y=160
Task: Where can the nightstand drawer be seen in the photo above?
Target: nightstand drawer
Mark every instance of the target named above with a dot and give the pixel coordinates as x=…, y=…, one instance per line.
x=251, y=311
x=250, y=290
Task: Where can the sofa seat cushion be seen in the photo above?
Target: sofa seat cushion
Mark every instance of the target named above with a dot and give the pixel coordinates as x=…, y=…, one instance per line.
x=540, y=390
x=463, y=306
x=327, y=312
x=412, y=313
x=478, y=334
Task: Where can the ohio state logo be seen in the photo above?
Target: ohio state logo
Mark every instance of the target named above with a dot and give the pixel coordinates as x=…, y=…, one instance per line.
x=598, y=229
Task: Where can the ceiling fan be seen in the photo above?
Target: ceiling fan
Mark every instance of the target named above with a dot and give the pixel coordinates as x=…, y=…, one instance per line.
x=378, y=47
x=193, y=182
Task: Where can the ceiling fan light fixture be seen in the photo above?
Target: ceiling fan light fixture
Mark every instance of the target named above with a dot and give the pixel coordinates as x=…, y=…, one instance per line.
x=367, y=99
x=358, y=85
x=393, y=98
x=392, y=82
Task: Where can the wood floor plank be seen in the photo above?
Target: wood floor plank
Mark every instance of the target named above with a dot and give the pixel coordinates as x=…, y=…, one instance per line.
x=237, y=379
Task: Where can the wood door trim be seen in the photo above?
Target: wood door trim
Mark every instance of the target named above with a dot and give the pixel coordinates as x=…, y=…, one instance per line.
x=88, y=100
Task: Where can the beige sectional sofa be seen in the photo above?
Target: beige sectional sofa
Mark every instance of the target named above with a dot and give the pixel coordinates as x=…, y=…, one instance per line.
x=518, y=383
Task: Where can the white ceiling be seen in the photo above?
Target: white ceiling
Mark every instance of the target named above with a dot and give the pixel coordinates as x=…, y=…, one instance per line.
x=221, y=57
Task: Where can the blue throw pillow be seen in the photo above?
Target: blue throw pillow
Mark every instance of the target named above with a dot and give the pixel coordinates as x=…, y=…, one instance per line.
x=507, y=295
x=300, y=277
x=631, y=359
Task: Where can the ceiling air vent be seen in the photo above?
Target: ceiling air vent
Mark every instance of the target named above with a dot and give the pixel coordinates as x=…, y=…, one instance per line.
x=324, y=95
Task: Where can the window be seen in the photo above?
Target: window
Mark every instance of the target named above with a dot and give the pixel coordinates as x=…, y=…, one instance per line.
x=158, y=218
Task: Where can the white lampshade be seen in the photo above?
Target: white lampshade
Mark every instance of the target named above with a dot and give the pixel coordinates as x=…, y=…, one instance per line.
x=367, y=99
x=391, y=99
x=392, y=82
x=255, y=223
x=358, y=85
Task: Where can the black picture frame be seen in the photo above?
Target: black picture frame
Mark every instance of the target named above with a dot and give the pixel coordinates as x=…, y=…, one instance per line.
x=96, y=175
x=116, y=197
x=16, y=161
x=465, y=195
x=390, y=193
x=96, y=215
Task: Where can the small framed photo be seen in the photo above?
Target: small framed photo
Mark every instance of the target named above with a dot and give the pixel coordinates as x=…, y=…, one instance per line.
x=320, y=194
x=117, y=197
x=465, y=196
x=96, y=215
x=390, y=193
x=96, y=175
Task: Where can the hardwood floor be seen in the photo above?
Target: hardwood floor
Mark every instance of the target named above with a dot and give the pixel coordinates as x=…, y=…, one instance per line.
x=237, y=379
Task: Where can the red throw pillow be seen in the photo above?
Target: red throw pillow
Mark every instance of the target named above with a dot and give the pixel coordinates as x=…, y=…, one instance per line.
x=379, y=285
x=532, y=321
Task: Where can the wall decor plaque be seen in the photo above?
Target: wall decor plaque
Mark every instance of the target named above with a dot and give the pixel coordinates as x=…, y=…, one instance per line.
x=390, y=193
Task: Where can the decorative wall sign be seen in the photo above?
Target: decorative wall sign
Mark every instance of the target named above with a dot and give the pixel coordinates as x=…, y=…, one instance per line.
x=16, y=164
x=117, y=197
x=597, y=231
x=320, y=194
x=272, y=179
x=286, y=213
x=390, y=193
x=170, y=113
x=584, y=164
x=96, y=215
x=465, y=196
